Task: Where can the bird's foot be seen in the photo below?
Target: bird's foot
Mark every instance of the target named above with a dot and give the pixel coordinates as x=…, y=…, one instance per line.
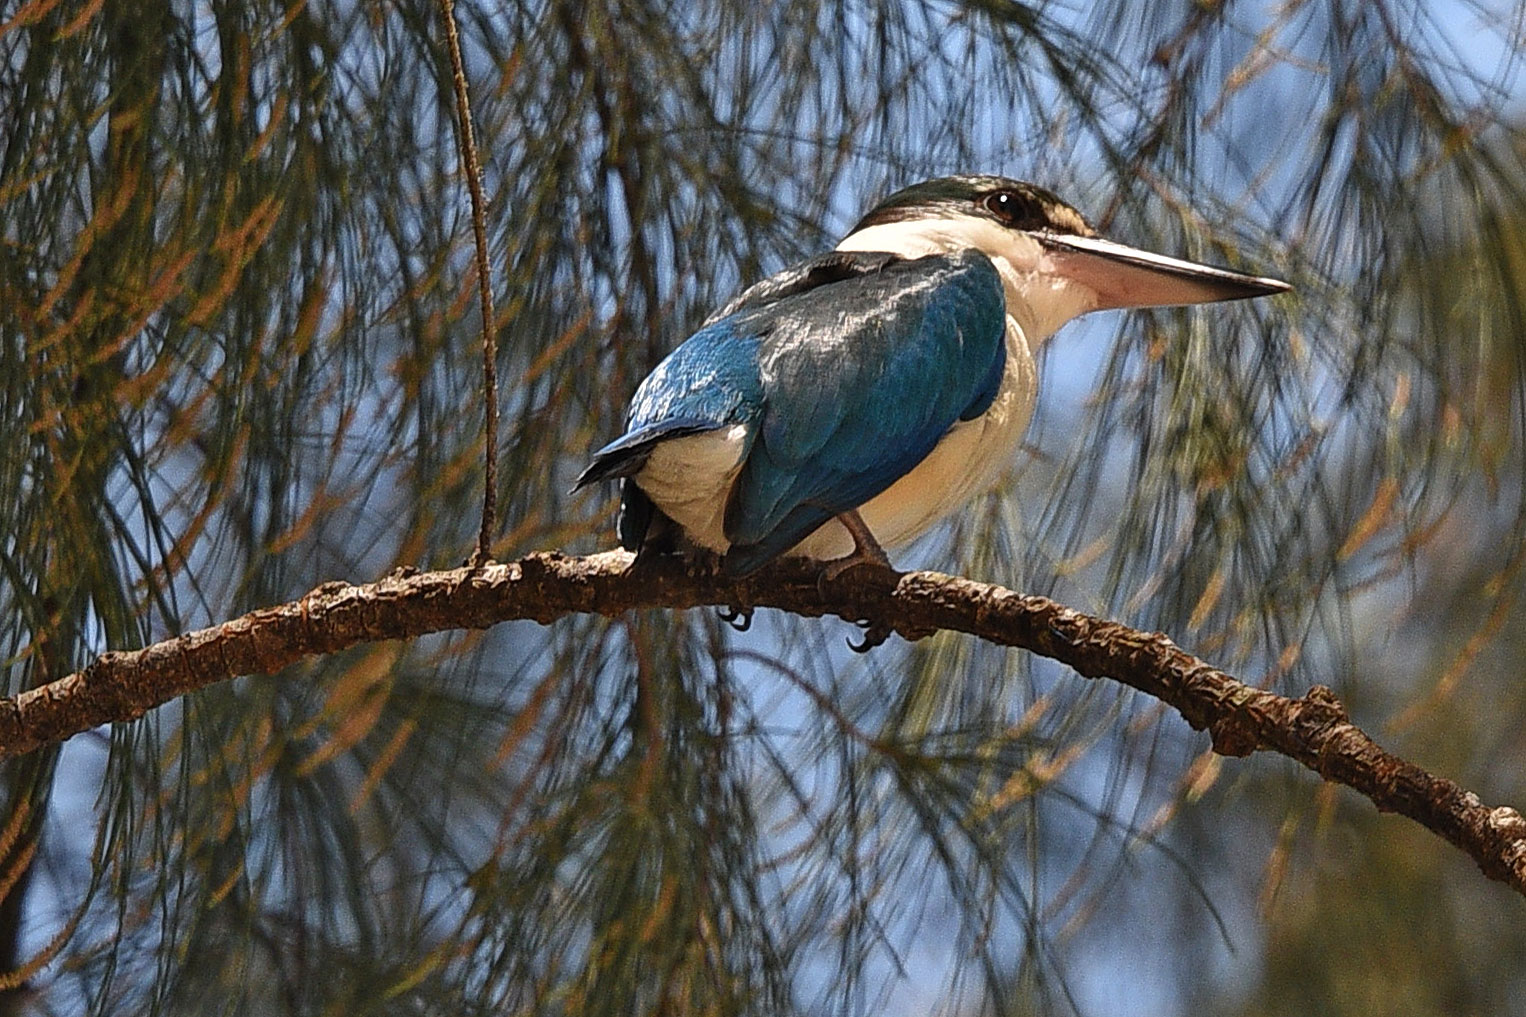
x=705, y=562
x=875, y=634
x=837, y=566
x=866, y=550
x=739, y=618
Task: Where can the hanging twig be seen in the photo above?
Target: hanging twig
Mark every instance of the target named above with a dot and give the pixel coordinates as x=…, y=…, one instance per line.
x=473, y=170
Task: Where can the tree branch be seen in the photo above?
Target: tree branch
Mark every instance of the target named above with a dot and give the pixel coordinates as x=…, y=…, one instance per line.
x=1314, y=729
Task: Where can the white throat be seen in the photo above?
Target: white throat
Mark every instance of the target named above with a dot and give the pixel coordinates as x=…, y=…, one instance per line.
x=1039, y=299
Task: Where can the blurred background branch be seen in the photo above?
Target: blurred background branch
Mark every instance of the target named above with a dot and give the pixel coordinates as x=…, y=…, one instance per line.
x=236, y=311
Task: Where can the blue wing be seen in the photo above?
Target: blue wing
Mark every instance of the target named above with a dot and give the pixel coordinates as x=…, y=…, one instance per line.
x=847, y=371
x=862, y=379
x=709, y=382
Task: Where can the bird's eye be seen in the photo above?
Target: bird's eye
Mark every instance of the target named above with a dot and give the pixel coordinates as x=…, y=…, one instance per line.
x=1008, y=207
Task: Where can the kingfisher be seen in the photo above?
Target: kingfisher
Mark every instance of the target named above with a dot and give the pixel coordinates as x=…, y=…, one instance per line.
x=847, y=404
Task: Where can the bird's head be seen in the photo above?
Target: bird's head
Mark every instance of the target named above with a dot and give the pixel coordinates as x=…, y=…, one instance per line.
x=1053, y=265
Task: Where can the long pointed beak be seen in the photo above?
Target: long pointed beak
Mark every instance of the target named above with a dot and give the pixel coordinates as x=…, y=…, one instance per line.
x=1124, y=276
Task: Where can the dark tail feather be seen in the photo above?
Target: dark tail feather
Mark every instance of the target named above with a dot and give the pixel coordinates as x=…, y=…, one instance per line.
x=611, y=466
x=636, y=516
x=642, y=526
x=625, y=456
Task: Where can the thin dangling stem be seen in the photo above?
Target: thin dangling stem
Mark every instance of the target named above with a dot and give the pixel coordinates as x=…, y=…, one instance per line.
x=473, y=170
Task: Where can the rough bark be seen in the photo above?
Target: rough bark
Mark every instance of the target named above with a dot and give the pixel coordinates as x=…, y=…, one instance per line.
x=1312, y=729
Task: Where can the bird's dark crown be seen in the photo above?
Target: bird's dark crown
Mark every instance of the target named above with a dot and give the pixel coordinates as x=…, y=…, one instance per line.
x=1007, y=202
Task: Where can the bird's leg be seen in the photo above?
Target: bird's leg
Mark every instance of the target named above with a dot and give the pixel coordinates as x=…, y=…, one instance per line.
x=866, y=550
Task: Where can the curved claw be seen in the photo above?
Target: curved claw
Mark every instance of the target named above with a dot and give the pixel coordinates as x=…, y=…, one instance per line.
x=739, y=618
x=875, y=634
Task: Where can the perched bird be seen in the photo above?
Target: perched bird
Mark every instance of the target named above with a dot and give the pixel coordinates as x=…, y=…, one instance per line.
x=854, y=400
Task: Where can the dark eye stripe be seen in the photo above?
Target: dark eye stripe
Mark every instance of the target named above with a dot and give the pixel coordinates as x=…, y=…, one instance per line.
x=1010, y=203
x=1032, y=208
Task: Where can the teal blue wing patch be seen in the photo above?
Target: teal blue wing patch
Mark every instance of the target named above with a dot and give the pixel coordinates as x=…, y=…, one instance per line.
x=860, y=380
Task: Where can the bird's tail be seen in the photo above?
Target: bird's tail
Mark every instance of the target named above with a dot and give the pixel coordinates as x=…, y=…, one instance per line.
x=625, y=456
